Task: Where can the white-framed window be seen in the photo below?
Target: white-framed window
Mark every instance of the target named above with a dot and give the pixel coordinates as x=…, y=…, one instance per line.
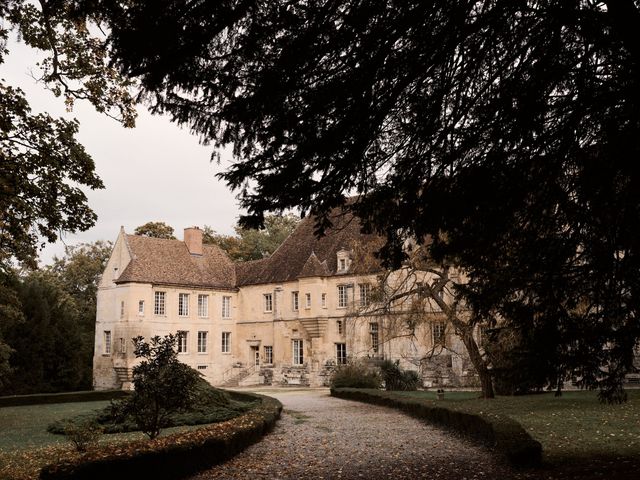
x=226, y=307
x=203, y=305
x=122, y=309
x=374, y=335
x=294, y=301
x=365, y=290
x=268, y=302
x=268, y=354
x=123, y=345
x=298, y=355
x=437, y=331
x=340, y=327
x=226, y=342
x=202, y=342
x=341, y=353
x=183, y=304
x=159, y=303
x=182, y=341
x=107, y=342
x=307, y=300
x=342, y=264
x=343, y=296
x=140, y=307
x=323, y=300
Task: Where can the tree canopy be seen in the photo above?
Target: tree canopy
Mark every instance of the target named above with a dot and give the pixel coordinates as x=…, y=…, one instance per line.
x=507, y=132
x=43, y=167
x=156, y=230
x=251, y=243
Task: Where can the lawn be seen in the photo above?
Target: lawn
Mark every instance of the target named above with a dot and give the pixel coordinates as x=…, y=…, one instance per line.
x=26, y=446
x=571, y=428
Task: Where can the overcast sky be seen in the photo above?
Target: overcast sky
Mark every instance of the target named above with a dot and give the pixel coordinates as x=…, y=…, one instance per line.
x=154, y=172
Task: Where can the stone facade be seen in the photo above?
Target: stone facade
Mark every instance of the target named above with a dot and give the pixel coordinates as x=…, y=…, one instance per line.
x=285, y=320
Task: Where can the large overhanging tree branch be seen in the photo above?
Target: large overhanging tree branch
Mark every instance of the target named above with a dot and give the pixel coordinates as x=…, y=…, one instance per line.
x=43, y=168
x=508, y=131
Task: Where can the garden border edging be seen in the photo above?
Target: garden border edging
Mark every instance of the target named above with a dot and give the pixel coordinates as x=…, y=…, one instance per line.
x=174, y=456
x=500, y=432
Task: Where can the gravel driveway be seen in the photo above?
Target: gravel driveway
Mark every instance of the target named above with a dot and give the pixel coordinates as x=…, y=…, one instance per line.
x=322, y=437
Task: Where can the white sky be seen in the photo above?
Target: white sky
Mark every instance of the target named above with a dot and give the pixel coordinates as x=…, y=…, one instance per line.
x=154, y=172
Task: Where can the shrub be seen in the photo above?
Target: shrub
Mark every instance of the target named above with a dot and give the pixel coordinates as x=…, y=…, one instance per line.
x=395, y=378
x=355, y=375
x=174, y=456
x=210, y=405
x=83, y=435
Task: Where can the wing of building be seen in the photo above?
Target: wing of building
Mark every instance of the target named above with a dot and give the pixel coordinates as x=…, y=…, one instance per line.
x=287, y=319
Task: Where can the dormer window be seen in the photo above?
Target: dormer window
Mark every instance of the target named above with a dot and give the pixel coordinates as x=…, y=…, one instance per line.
x=344, y=262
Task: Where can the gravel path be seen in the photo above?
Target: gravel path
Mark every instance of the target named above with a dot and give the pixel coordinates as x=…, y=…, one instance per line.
x=322, y=437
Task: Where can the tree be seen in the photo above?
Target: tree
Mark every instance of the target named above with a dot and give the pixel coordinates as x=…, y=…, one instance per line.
x=163, y=385
x=507, y=132
x=410, y=300
x=79, y=272
x=48, y=354
x=156, y=230
x=254, y=244
x=43, y=166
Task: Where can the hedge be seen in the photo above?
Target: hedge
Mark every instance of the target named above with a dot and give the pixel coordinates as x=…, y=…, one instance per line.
x=174, y=456
x=498, y=431
x=66, y=397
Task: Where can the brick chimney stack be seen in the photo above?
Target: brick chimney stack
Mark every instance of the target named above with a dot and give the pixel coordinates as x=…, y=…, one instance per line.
x=193, y=239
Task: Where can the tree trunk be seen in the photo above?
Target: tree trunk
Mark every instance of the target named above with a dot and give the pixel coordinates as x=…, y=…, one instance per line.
x=478, y=363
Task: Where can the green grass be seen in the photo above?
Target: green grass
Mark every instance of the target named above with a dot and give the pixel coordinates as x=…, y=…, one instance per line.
x=570, y=428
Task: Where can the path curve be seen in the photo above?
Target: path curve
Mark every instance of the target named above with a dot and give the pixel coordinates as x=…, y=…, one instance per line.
x=322, y=437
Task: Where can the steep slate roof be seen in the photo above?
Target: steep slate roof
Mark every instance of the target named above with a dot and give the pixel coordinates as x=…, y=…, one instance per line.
x=302, y=254
x=295, y=257
x=168, y=262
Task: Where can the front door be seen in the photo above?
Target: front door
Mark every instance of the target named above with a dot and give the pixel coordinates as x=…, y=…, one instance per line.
x=256, y=355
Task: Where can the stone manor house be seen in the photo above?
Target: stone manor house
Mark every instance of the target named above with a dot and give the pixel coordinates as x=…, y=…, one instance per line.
x=288, y=319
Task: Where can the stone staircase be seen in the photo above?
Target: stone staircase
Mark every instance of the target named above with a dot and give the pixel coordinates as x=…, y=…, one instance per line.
x=315, y=327
x=234, y=381
x=124, y=376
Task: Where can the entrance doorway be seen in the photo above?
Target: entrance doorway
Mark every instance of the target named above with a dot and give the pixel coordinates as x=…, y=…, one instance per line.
x=255, y=351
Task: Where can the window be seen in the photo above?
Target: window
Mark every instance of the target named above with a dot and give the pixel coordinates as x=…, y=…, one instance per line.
x=159, y=303
x=268, y=302
x=122, y=309
x=340, y=327
x=182, y=341
x=294, y=301
x=202, y=342
x=341, y=353
x=343, y=296
x=141, y=307
x=107, y=342
x=437, y=329
x=375, y=339
x=342, y=264
x=268, y=354
x=123, y=345
x=307, y=300
x=226, y=342
x=365, y=289
x=203, y=306
x=298, y=356
x=226, y=307
x=183, y=304
x=323, y=300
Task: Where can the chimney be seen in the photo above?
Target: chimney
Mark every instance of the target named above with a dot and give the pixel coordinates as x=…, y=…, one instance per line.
x=193, y=240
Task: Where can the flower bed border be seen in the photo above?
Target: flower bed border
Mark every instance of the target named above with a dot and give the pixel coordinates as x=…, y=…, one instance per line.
x=498, y=431
x=173, y=456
